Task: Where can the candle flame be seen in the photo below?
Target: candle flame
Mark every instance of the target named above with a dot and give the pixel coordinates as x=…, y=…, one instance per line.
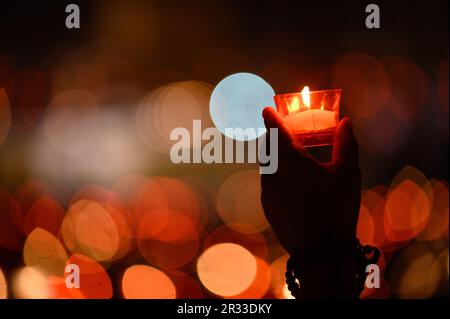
x=305, y=97
x=294, y=105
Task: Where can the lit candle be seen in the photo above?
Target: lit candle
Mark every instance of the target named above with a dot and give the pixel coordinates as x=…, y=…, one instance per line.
x=309, y=119
x=312, y=116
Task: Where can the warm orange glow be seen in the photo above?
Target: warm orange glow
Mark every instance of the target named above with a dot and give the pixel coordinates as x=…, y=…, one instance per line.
x=126, y=186
x=306, y=97
x=94, y=280
x=97, y=194
x=186, y=286
x=260, y=284
x=176, y=227
x=165, y=204
x=366, y=229
x=90, y=141
x=255, y=243
x=375, y=204
x=96, y=233
x=44, y=252
x=227, y=269
x=286, y=293
x=110, y=208
x=239, y=202
x=278, y=283
x=29, y=283
x=294, y=105
x=45, y=213
x=437, y=225
x=384, y=292
x=204, y=194
x=3, y=286
x=407, y=211
x=145, y=282
x=57, y=288
x=88, y=228
x=26, y=195
x=168, y=255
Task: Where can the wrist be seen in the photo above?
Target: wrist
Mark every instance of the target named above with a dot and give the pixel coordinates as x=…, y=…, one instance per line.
x=334, y=272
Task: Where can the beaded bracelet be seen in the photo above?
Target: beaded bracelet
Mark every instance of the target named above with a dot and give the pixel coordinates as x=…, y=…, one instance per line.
x=354, y=249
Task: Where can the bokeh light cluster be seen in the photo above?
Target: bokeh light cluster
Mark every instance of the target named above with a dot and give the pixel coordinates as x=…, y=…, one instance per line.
x=153, y=237
x=86, y=176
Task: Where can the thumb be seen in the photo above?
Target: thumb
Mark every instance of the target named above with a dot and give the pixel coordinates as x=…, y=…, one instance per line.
x=272, y=119
x=345, y=150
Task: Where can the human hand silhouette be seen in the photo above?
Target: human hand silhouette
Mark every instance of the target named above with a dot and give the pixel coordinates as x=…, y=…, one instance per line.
x=313, y=207
x=310, y=203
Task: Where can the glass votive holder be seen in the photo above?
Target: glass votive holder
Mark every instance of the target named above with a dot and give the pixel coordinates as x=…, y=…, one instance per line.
x=312, y=116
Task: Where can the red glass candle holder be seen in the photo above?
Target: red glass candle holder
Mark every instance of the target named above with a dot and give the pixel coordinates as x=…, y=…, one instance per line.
x=312, y=116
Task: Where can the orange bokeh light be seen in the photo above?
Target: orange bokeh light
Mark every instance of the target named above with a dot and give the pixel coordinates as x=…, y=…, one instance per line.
x=227, y=269
x=145, y=282
x=44, y=252
x=30, y=283
x=366, y=228
x=278, y=283
x=260, y=284
x=98, y=194
x=375, y=204
x=116, y=210
x=89, y=229
x=164, y=205
x=168, y=255
x=239, y=204
x=437, y=225
x=44, y=213
x=57, y=288
x=94, y=281
x=26, y=195
x=186, y=286
x=255, y=243
x=3, y=286
x=407, y=211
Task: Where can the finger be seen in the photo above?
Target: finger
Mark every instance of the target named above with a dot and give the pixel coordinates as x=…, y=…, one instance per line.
x=345, y=150
x=289, y=149
x=273, y=119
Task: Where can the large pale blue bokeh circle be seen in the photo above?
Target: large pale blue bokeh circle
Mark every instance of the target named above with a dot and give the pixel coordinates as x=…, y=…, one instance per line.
x=237, y=102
